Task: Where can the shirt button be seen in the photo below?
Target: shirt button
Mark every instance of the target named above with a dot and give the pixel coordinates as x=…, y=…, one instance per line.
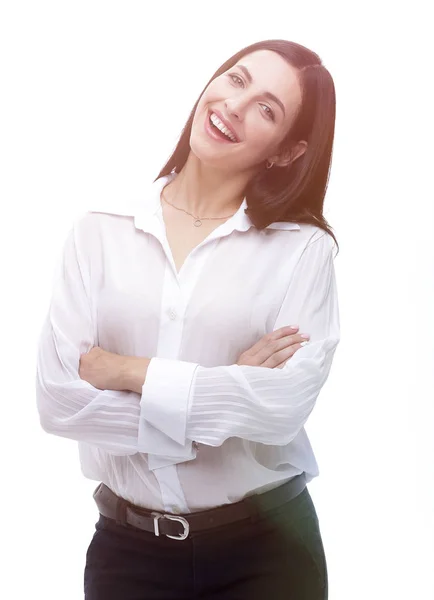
x=172, y=314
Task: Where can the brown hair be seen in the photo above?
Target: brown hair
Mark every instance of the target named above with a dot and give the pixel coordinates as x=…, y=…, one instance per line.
x=294, y=193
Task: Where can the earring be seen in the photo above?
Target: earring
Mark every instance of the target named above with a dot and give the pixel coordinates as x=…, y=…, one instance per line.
x=269, y=165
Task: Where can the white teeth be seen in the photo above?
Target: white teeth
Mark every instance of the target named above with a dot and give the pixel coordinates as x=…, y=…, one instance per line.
x=216, y=121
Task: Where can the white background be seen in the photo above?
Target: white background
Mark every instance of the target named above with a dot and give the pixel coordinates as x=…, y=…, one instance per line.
x=94, y=96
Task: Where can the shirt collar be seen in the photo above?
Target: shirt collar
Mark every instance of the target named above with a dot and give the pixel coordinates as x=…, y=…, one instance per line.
x=145, y=211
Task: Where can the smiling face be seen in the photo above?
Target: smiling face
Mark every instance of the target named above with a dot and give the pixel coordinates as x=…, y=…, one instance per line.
x=255, y=102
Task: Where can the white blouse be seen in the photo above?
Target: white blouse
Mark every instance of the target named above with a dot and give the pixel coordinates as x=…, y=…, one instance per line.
x=205, y=431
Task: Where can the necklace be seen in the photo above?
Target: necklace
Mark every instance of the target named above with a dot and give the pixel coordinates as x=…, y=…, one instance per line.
x=197, y=221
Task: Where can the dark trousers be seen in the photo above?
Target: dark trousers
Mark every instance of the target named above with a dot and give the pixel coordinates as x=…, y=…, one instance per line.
x=280, y=556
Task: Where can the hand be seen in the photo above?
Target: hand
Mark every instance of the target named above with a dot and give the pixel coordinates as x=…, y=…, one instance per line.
x=104, y=370
x=274, y=349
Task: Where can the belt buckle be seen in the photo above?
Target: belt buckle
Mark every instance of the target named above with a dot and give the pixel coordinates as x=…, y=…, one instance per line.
x=184, y=522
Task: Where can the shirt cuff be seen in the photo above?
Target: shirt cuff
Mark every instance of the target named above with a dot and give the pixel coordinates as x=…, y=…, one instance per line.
x=164, y=409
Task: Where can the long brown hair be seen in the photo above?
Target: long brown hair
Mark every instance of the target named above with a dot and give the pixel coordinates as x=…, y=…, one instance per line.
x=294, y=193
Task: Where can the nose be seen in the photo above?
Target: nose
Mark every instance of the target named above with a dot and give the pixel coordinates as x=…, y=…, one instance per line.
x=235, y=107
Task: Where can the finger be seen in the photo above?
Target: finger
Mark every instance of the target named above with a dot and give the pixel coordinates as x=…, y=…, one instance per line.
x=282, y=356
x=275, y=346
x=270, y=337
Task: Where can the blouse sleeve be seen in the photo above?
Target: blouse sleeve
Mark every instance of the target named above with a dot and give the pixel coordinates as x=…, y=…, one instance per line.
x=69, y=406
x=182, y=401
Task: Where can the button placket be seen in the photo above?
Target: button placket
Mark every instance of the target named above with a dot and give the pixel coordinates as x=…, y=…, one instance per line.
x=172, y=314
x=176, y=294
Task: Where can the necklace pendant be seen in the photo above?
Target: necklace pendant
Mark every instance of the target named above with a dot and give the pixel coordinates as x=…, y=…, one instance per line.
x=197, y=223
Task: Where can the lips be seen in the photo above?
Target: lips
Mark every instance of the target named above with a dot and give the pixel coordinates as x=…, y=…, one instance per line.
x=215, y=134
x=225, y=122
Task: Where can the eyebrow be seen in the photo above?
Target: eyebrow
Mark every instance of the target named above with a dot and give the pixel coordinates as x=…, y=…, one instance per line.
x=268, y=95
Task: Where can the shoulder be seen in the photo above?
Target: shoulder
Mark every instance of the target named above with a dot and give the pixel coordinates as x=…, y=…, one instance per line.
x=316, y=240
x=97, y=221
x=308, y=234
x=93, y=231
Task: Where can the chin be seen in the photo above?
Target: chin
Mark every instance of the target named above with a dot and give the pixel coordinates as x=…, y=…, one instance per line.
x=208, y=155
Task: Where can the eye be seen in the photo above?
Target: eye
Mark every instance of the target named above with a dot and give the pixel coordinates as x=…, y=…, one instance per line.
x=239, y=81
x=232, y=76
x=270, y=113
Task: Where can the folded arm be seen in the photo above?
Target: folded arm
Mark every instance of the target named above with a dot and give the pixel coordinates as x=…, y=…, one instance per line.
x=69, y=406
x=182, y=402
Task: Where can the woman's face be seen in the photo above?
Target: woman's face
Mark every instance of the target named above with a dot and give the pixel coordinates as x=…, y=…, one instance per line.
x=257, y=99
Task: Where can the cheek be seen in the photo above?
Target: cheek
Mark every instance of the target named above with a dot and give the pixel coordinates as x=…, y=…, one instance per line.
x=210, y=95
x=202, y=109
x=259, y=136
x=199, y=111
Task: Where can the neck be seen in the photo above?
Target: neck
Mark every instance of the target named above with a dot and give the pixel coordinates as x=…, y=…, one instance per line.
x=206, y=192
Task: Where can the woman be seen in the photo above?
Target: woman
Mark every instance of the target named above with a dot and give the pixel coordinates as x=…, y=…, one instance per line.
x=168, y=351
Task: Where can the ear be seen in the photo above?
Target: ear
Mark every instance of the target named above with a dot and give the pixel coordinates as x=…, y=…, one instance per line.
x=290, y=155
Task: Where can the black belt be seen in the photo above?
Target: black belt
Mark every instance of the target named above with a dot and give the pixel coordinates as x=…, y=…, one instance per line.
x=179, y=527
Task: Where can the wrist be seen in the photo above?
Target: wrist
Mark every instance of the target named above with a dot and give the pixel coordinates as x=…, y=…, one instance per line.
x=133, y=373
